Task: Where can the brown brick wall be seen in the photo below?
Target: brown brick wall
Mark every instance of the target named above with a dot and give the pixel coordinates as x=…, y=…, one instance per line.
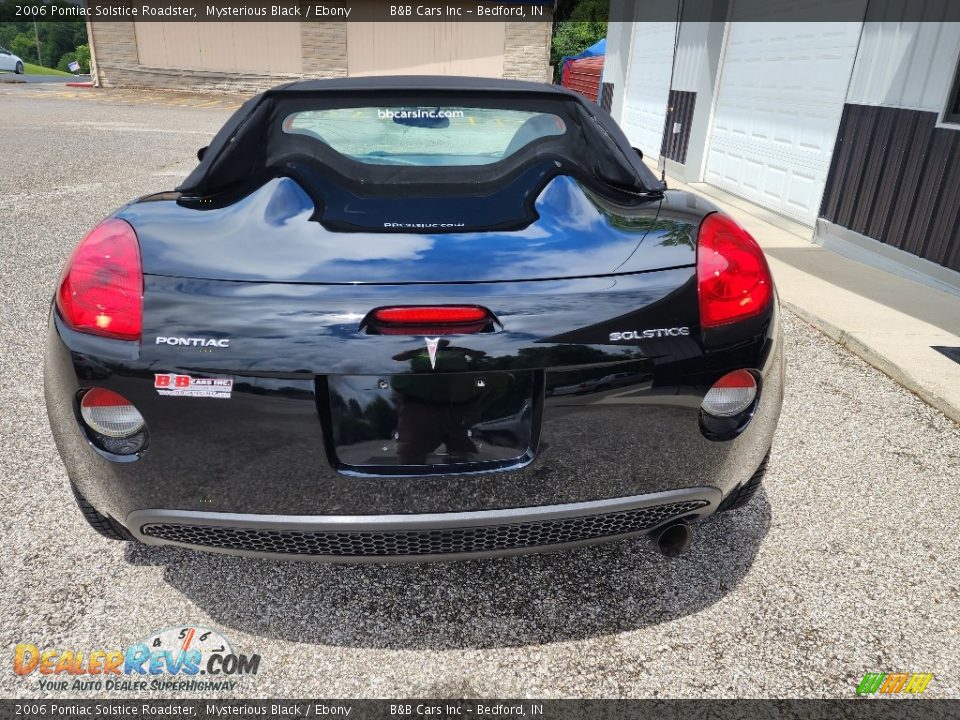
x=118, y=42
x=527, y=51
x=136, y=76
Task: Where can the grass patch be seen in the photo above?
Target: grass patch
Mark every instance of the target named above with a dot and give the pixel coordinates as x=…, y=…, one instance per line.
x=31, y=69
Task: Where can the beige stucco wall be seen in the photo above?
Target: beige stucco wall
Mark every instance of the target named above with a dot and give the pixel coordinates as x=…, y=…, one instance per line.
x=426, y=48
x=228, y=58
x=270, y=48
x=324, y=49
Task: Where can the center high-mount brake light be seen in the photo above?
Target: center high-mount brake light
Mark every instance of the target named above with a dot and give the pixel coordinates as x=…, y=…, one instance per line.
x=429, y=319
x=101, y=290
x=732, y=274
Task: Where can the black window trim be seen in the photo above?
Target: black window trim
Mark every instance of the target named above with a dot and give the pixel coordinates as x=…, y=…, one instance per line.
x=951, y=114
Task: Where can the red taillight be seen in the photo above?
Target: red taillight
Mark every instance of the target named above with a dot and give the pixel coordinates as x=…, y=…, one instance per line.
x=101, y=291
x=732, y=273
x=430, y=319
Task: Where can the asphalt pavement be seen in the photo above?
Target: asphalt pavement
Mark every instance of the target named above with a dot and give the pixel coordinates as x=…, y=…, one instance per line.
x=845, y=563
x=26, y=78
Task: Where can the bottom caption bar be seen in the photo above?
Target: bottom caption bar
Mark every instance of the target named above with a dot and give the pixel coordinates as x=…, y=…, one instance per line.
x=872, y=709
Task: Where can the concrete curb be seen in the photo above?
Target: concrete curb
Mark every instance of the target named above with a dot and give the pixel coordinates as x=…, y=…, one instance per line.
x=874, y=358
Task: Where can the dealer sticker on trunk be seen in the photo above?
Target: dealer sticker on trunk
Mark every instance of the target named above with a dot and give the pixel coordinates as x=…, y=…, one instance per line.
x=187, y=386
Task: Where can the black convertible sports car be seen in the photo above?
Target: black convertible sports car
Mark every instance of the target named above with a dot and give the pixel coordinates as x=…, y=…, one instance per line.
x=414, y=318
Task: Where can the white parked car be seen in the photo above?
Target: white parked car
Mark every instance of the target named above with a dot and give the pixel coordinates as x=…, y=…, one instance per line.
x=9, y=61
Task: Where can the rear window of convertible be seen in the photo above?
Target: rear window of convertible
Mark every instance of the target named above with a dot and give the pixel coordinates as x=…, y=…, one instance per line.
x=424, y=136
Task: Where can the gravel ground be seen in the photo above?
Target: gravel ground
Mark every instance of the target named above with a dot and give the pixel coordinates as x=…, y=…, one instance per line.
x=845, y=563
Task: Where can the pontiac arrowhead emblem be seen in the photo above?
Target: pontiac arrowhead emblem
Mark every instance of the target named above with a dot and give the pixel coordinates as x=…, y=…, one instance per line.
x=432, y=351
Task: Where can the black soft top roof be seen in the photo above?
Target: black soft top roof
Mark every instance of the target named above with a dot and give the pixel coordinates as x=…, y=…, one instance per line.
x=420, y=82
x=251, y=147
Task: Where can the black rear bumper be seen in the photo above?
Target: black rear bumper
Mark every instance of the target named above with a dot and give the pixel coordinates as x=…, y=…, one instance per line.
x=256, y=475
x=422, y=537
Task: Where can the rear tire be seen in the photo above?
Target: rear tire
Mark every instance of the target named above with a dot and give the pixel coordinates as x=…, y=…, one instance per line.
x=743, y=494
x=19, y=69
x=106, y=526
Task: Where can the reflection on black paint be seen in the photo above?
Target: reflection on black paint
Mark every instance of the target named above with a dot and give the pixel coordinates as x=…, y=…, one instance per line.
x=573, y=235
x=452, y=414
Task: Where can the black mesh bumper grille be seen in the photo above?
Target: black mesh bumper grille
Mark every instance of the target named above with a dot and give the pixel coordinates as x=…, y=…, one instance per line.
x=432, y=541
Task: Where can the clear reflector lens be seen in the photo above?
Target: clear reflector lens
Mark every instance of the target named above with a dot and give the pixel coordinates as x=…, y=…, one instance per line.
x=110, y=414
x=731, y=394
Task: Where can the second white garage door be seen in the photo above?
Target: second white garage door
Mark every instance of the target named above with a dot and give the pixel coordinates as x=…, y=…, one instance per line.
x=781, y=95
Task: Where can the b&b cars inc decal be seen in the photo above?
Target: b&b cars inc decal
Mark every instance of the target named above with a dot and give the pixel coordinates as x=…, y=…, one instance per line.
x=189, y=386
x=187, y=658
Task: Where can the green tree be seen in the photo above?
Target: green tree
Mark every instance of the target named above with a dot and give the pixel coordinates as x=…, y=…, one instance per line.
x=56, y=38
x=65, y=61
x=577, y=24
x=7, y=34
x=582, y=10
x=25, y=46
x=83, y=55
x=592, y=11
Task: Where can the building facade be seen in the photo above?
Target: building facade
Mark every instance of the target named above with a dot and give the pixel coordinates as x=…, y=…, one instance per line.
x=250, y=56
x=848, y=126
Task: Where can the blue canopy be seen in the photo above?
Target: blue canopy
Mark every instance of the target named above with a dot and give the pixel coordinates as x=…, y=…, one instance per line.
x=598, y=48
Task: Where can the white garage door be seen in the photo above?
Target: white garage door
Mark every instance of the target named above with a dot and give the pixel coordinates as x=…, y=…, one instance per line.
x=782, y=89
x=648, y=85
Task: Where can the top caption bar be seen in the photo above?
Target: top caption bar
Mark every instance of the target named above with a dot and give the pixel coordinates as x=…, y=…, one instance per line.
x=281, y=11
x=934, y=11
